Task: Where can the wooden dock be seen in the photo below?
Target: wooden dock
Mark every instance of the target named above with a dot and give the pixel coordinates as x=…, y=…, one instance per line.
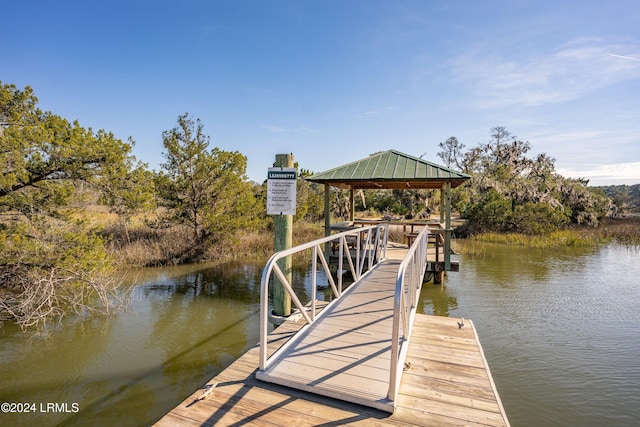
x=446, y=382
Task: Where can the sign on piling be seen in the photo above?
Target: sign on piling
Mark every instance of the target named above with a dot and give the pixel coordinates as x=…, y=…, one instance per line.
x=281, y=202
x=281, y=191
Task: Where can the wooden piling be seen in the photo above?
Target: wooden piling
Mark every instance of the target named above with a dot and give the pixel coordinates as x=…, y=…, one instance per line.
x=283, y=239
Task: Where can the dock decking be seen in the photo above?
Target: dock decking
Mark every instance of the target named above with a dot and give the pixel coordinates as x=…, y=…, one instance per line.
x=447, y=383
x=446, y=379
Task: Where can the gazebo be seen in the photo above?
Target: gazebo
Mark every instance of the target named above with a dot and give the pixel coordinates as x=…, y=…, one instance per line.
x=393, y=170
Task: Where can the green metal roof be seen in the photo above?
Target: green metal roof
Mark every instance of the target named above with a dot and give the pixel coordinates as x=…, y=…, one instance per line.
x=390, y=169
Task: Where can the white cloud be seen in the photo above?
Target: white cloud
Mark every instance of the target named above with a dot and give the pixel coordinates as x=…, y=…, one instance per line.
x=574, y=69
x=609, y=174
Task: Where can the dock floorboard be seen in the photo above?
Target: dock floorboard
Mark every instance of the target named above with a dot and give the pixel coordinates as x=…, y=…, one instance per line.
x=446, y=382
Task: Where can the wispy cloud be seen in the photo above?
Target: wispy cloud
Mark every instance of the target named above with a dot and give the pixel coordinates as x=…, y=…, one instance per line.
x=283, y=129
x=569, y=72
x=369, y=114
x=373, y=113
x=581, y=146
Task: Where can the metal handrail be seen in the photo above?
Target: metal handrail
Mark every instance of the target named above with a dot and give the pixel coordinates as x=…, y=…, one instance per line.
x=408, y=284
x=371, y=248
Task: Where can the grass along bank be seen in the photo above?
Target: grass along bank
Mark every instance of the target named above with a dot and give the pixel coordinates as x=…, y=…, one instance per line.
x=141, y=245
x=144, y=246
x=624, y=231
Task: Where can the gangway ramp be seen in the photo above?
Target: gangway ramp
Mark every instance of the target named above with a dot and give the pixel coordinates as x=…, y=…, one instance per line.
x=354, y=349
x=346, y=354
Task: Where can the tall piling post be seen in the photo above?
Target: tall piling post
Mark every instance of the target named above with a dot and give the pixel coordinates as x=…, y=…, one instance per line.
x=283, y=239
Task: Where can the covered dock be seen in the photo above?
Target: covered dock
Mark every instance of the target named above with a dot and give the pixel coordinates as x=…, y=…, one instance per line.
x=397, y=171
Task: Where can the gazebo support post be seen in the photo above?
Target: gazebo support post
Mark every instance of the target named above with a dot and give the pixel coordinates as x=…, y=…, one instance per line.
x=327, y=216
x=442, y=190
x=352, y=205
x=447, y=227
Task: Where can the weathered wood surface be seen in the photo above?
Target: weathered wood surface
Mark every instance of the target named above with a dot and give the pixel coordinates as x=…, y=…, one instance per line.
x=447, y=383
x=448, y=378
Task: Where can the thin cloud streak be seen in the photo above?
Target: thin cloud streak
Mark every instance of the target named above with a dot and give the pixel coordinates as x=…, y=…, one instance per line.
x=623, y=57
x=369, y=114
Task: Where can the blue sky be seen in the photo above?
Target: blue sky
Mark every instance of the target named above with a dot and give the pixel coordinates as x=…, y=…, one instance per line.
x=334, y=81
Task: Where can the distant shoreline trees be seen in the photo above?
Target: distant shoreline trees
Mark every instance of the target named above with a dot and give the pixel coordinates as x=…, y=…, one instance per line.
x=511, y=192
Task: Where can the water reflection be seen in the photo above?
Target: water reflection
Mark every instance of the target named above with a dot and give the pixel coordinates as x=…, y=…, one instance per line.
x=436, y=300
x=185, y=324
x=233, y=280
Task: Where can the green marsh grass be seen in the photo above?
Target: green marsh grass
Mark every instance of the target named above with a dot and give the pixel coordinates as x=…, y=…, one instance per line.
x=625, y=231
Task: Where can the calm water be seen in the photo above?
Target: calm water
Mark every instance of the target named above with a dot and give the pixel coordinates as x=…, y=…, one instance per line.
x=560, y=332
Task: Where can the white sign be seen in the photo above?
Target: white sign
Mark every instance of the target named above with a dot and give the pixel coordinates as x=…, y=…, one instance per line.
x=281, y=191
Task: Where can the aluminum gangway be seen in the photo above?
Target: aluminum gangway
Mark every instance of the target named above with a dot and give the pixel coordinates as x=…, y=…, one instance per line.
x=354, y=348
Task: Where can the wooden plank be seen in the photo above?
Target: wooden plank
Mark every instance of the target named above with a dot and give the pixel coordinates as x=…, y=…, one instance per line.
x=446, y=341
x=435, y=353
x=243, y=407
x=422, y=417
x=459, y=396
x=463, y=414
x=415, y=384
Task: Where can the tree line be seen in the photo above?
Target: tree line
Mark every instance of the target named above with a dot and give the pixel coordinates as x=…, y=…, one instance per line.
x=510, y=191
x=54, y=260
x=625, y=198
